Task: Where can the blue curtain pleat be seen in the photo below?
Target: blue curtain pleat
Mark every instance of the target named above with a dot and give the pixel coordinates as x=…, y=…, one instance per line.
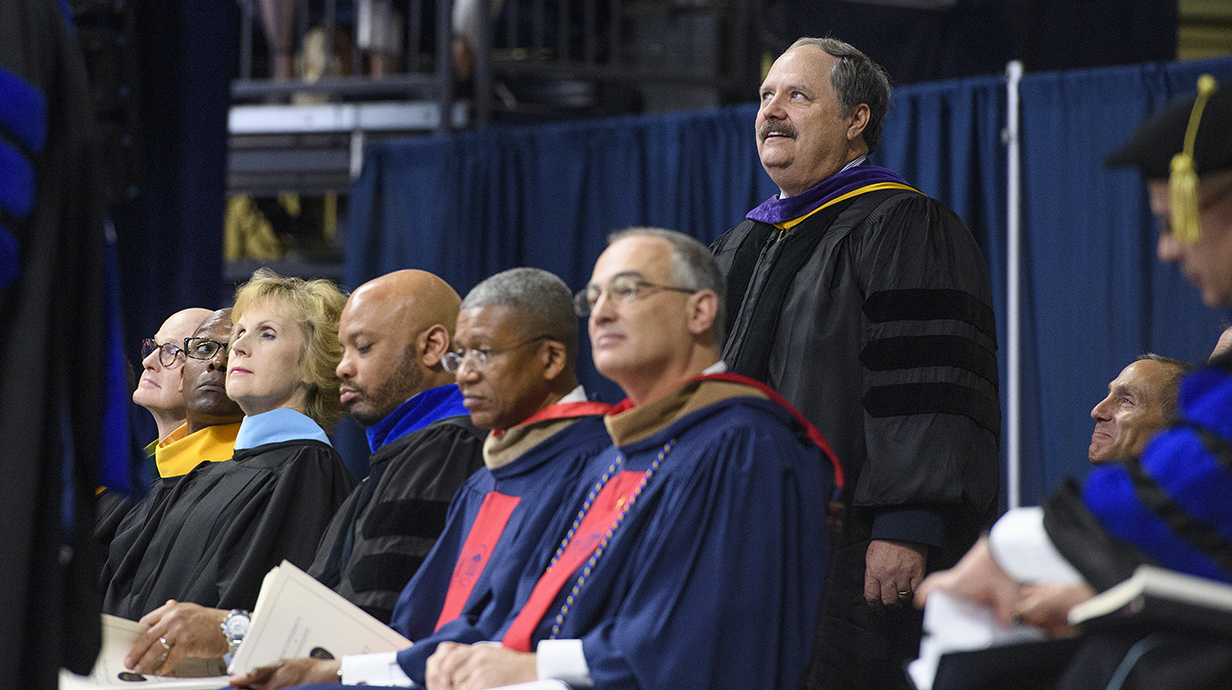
x=470, y=204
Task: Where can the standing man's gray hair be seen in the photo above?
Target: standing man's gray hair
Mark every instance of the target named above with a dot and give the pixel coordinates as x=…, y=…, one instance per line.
x=856, y=79
x=542, y=300
x=694, y=267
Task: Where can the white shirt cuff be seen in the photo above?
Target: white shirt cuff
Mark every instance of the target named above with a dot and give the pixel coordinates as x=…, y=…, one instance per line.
x=563, y=660
x=1020, y=545
x=380, y=668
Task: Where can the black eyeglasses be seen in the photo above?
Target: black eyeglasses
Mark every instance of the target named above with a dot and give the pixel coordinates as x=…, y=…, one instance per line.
x=622, y=289
x=477, y=360
x=203, y=348
x=168, y=353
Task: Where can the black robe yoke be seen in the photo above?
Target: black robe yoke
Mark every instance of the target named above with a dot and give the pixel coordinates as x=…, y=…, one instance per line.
x=885, y=340
x=225, y=525
x=416, y=476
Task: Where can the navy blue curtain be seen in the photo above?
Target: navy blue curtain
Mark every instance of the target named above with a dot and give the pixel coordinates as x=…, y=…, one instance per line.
x=467, y=205
x=169, y=236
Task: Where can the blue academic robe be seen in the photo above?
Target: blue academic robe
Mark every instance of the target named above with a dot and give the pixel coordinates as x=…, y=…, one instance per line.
x=714, y=579
x=541, y=476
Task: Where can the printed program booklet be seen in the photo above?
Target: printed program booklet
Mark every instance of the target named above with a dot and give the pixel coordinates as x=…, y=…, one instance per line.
x=296, y=616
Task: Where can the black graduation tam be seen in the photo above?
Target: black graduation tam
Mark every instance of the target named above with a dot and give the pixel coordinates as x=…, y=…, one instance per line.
x=1162, y=136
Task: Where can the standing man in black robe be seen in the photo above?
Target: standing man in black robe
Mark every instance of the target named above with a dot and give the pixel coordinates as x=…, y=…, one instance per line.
x=867, y=305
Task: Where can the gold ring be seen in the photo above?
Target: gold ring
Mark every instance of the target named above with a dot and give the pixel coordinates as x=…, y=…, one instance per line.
x=905, y=594
x=166, y=645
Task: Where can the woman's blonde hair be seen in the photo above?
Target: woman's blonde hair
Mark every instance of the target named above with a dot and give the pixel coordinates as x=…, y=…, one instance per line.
x=316, y=305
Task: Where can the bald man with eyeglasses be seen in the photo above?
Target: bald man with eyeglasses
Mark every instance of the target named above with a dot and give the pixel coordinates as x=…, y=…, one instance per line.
x=159, y=391
x=162, y=358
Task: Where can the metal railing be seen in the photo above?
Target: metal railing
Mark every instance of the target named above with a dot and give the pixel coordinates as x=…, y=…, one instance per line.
x=414, y=82
x=636, y=44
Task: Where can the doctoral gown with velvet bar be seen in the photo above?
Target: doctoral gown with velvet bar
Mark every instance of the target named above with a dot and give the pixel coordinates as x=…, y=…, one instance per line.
x=416, y=477
x=885, y=339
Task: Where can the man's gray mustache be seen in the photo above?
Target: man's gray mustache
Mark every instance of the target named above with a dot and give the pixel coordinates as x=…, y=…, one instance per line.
x=771, y=127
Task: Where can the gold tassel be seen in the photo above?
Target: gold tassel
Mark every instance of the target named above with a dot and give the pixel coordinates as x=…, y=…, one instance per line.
x=1183, y=183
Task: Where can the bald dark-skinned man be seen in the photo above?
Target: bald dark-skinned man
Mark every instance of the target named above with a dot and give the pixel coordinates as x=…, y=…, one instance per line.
x=395, y=331
x=213, y=419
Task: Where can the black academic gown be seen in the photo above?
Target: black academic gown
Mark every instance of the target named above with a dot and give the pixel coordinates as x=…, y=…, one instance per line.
x=51, y=365
x=884, y=338
x=377, y=540
x=225, y=525
x=125, y=516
